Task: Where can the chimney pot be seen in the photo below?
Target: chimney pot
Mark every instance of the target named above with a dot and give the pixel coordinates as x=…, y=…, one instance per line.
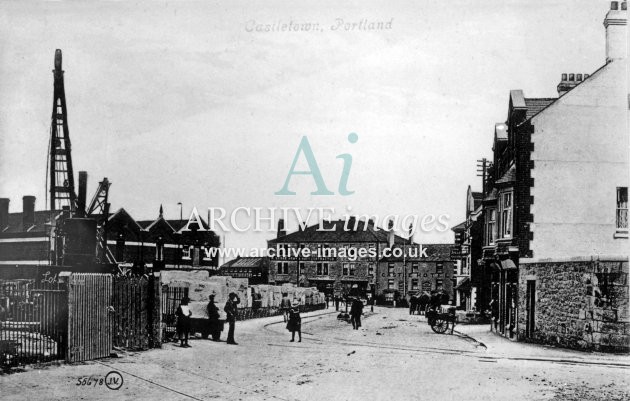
x=28, y=211
x=624, y=5
x=571, y=77
x=614, y=5
x=586, y=76
x=579, y=77
x=4, y=213
x=564, y=77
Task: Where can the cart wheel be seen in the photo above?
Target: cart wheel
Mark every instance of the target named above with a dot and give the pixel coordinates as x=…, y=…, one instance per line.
x=440, y=325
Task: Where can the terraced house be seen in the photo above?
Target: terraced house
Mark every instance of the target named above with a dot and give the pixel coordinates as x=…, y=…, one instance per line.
x=555, y=209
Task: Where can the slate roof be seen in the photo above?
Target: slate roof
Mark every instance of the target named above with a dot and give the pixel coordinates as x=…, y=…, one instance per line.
x=338, y=234
x=536, y=105
x=15, y=222
x=492, y=196
x=509, y=176
x=460, y=227
x=244, y=262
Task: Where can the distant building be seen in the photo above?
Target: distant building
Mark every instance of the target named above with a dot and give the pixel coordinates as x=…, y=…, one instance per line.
x=324, y=269
x=254, y=269
x=333, y=270
x=27, y=239
x=417, y=274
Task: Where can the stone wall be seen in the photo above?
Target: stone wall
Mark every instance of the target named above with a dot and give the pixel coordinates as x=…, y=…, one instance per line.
x=579, y=304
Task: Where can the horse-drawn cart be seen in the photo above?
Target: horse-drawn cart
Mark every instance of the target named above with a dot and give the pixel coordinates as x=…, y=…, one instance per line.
x=440, y=322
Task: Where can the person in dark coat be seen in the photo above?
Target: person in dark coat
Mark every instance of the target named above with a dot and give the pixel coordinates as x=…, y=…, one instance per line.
x=295, y=321
x=423, y=301
x=183, y=314
x=356, y=310
x=214, y=324
x=337, y=300
x=413, y=305
x=231, y=309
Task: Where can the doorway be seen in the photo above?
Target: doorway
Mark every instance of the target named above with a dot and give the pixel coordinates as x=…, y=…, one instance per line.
x=531, y=308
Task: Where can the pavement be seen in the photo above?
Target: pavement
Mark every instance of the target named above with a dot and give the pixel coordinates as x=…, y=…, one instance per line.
x=393, y=356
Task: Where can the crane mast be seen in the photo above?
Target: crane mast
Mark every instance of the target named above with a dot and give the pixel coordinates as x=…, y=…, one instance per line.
x=61, y=180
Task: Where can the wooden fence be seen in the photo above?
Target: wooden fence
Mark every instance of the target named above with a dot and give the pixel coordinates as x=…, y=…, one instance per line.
x=89, y=320
x=136, y=312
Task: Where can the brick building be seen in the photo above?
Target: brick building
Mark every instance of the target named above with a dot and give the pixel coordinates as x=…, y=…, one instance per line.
x=555, y=212
x=333, y=270
x=325, y=268
x=27, y=239
x=417, y=274
x=256, y=270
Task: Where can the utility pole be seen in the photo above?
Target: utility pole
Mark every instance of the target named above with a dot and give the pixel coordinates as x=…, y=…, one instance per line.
x=482, y=171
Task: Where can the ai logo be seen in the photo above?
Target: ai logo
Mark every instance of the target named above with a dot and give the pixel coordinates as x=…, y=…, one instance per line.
x=305, y=148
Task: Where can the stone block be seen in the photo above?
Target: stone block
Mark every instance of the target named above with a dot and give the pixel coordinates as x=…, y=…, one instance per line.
x=609, y=315
x=619, y=341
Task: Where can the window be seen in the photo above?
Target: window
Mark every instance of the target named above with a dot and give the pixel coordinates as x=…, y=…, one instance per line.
x=414, y=267
x=438, y=283
x=491, y=226
x=414, y=283
x=390, y=284
x=186, y=252
x=506, y=215
x=322, y=269
x=401, y=286
x=352, y=269
x=622, y=209
x=371, y=269
x=159, y=249
x=345, y=269
x=283, y=267
x=390, y=269
x=301, y=267
x=439, y=268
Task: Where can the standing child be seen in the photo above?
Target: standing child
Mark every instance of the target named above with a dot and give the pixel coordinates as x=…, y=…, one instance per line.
x=295, y=321
x=183, y=322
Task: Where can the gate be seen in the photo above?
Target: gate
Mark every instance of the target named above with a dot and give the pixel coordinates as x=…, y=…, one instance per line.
x=171, y=297
x=33, y=323
x=89, y=316
x=136, y=312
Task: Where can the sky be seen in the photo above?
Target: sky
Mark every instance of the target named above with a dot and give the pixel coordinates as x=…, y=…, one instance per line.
x=181, y=102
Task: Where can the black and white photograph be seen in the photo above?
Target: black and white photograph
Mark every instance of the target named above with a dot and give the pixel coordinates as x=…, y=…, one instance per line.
x=314, y=200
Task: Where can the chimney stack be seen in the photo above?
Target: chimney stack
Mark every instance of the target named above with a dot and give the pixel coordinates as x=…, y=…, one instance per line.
x=4, y=213
x=82, y=193
x=390, y=234
x=281, y=231
x=616, y=31
x=570, y=81
x=28, y=211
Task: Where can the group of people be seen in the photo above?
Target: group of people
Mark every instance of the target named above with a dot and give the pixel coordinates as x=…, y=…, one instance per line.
x=290, y=311
x=215, y=325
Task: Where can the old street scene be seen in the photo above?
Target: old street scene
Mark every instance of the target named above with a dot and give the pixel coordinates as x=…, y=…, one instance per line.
x=238, y=201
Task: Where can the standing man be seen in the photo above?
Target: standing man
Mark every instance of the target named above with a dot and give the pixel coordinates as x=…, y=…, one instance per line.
x=285, y=305
x=356, y=310
x=231, y=310
x=183, y=314
x=214, y=324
